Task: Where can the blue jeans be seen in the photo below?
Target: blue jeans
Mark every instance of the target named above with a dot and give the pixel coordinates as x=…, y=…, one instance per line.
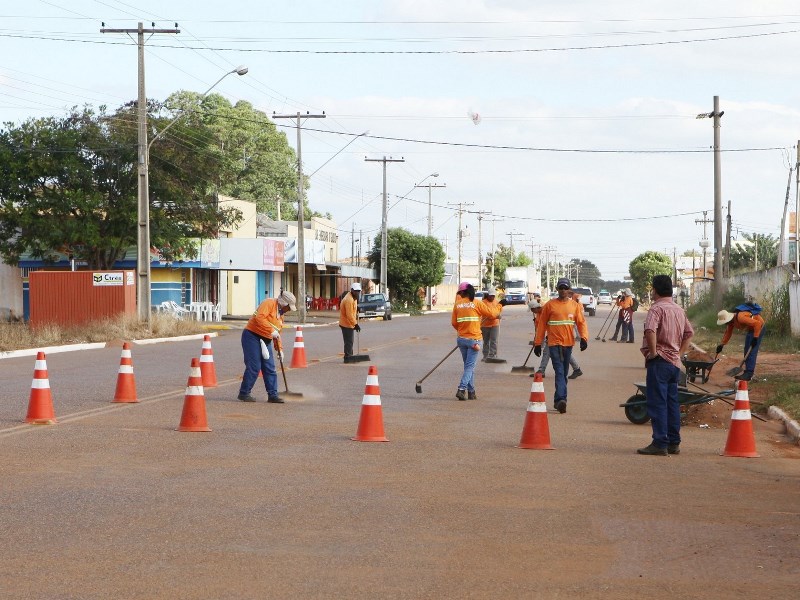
x=546, y=359
x=253, y=363
x=662, y=402
x=470, y=357
x=750, y=363
x=560, y=356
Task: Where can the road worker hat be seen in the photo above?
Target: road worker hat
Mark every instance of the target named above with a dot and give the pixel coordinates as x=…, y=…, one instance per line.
x=563, y=282
x=533, y=304
x=490, y=291
x=724, y=316
x=287, y=299
x=356, y=287
x=463, y=286
x=628, y=292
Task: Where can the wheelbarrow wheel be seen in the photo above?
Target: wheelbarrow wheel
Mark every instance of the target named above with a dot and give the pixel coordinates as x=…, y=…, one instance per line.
x=636, y=410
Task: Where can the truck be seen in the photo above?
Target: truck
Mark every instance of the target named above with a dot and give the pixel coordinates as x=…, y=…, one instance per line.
x=520, y=284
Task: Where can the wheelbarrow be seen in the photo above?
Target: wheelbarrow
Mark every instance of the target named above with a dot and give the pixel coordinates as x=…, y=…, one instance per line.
x=698, y=368
x=636, y=406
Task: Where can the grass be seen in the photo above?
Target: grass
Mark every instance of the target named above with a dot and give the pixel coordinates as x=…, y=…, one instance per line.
x=18, y=336
x=783, y=392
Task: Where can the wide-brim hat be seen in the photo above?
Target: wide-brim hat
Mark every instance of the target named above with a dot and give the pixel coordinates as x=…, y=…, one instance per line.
x=287, y=298
x=724, y=316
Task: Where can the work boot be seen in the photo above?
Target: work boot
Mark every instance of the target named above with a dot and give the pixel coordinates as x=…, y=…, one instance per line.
x=472, y=395
x=461, y=394
x=613, y=339
x=561, y=406
x=275, y=400
x=746, y=376
x=673, y=449
x=652, y=450
x=246, y=398
x=575, y=374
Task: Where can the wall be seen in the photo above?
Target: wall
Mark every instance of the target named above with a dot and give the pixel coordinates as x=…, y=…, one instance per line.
x=10, y=288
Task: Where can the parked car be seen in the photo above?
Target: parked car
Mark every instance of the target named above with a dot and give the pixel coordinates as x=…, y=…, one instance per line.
x=587, y=299
x=604, y=298
x=375, y=305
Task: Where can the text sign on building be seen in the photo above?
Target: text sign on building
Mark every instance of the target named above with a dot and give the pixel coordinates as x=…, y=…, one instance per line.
x=108, y=278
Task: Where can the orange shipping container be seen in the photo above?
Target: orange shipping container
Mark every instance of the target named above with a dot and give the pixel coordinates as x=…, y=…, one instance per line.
x=76, y=297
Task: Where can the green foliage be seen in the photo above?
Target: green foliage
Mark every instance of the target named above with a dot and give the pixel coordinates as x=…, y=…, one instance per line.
x=760, y=252
x=414, y=261
x=69, y=185
x=644, y=267
x=588, y=274
x=257, y=162
x=504, y=257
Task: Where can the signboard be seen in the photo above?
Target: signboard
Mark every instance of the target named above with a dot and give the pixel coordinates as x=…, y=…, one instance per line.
x=116, y=278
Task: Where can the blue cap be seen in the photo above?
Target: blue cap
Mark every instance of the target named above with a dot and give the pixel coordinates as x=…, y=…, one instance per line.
x=563, y=282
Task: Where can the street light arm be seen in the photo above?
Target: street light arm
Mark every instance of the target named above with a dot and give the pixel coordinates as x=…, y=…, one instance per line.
x=240, y=70
x=337, y=154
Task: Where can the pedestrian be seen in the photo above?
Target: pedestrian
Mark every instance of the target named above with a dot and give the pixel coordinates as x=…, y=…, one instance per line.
x=261, y=339
x=490, y=326
x=558, y=321
x=620, y=320
x=348, y=319
x=667, y=333
x=466, y=320
x=746, y=317
x=625, y=320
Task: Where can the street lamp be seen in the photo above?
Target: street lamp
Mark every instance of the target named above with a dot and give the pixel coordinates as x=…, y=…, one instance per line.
x=143, y=299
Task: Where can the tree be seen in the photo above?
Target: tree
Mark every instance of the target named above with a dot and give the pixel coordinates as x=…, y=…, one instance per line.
x=69, y=185
x=257, y=162
x=588, y=273
x=644, y=267
x=414, y=261
x=503, y=257
x=756, y=252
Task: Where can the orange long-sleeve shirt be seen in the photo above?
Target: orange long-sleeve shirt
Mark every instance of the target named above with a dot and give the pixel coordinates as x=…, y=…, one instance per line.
x=558, y=320
x=266, y=321
x=743, y=320
x=492, y=321
x=467, y=314
x=348, y=312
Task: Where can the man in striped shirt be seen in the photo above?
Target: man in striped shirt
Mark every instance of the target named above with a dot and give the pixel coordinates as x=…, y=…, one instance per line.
x=557, y=321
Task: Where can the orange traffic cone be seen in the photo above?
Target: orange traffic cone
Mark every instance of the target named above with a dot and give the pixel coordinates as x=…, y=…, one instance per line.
x=126, y=382
x=299, y=351
x=207, y=369
x=370, y=424
x=536, y=432
x=193, y=417
x=741, y=441
x=40, y=405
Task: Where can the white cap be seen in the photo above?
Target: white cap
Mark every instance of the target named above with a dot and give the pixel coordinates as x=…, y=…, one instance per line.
x=356, y=287
x=287, y=299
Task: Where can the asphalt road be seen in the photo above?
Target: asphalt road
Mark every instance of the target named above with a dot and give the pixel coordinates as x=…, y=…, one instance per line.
x=278, y=502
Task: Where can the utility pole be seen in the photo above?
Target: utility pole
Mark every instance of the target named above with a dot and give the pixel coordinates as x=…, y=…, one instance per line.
x=511, y=235
x=491, y=275
x=674, y=267
x=797, y=215
x=301, y=226
x=461, y=206
x=384, y=243
x=718, y=276
x=428, y=293
x=704, y=241
x=480, y=248
x=143, y=299
x=727, y=267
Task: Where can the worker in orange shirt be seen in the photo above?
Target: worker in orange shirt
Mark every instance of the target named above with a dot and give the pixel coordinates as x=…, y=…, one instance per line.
x=490, y=326
x=261, y=339
x=748, y=318
x=558, y=321
x=348, y=319
x=466, y=320
x=625, y=317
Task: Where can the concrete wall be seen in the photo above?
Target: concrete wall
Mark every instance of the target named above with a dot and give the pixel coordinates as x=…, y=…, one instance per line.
x=10, y=289
x=794, y=306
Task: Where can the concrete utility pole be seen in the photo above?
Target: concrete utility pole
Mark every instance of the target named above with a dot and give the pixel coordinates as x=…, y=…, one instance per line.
x=718, y=275
x=797, y=214
x=480, y=246
x=143, y=300
x=461, y=206
x=301, y=226
x=429, y=186
x=727, y=267
x=491, y=275
x=511, y=237
x=384, y=243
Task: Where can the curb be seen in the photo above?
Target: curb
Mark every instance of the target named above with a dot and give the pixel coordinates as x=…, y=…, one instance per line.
x=792, y=426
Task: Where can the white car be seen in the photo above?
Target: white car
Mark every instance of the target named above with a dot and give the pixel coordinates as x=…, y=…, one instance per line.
x=604, y=298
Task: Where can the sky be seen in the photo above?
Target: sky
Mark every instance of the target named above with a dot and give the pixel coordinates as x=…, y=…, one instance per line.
x=586, y=145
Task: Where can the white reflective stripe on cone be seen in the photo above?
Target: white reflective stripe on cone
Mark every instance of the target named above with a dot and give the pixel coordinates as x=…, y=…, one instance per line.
x=299, y=344
x=40, y=384
x=741, y=395
x=206, y=358
x=126, y=369
x=126, y=354
x=740, y=415
x=371, y=400
x=194, y=390
x=537, y=407
x=372, y=380
x=41, y=365
x=537, y=386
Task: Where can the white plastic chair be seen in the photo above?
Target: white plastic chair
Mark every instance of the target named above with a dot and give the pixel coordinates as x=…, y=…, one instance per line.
x=178, y=310
x=214, y=312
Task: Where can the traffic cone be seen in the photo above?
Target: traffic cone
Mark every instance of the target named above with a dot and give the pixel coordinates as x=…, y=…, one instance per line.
x=126, y=382
x=370, y=424
x=207, y=369
x=40, y=404
x=299, y=351
x=536, y=431
x=193, y=417
x=741, y=441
